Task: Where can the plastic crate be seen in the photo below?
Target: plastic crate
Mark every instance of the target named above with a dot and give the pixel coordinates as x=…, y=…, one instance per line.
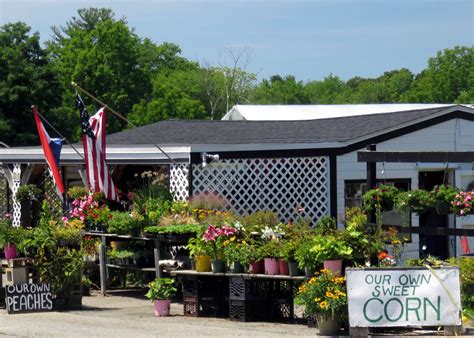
x=247, y=289
x=248, y=310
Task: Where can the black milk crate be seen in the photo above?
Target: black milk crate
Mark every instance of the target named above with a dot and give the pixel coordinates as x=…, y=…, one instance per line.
x=282, y=310
x=248, y=289
x=199, y=286
x=283, y=289
x=248, y=310
x=205, y=307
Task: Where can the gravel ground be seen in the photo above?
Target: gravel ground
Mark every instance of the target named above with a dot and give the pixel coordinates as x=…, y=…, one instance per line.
x=123, y=316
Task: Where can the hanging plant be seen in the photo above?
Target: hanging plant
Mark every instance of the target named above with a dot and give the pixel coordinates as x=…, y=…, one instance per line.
x=443, y=197
x=381, y=198
x=417, y=201
x=28, y=192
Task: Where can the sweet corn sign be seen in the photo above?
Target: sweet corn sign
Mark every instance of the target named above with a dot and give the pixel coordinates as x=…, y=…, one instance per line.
x=403, y=297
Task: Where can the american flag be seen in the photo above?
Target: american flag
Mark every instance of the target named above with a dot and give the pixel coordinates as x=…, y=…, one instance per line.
x=93, y=140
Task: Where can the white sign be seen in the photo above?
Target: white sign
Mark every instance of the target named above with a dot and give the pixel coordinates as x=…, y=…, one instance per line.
x=403, y=297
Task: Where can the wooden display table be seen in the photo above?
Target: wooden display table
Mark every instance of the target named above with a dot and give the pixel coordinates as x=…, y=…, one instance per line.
x=239, y=296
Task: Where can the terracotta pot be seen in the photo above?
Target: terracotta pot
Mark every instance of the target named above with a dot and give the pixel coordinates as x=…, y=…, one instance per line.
x=203, y=263
x=335, y=265
x=257, y=267
x=10, y=251
x=283, y=266
x=271, y=266
x=162, y=307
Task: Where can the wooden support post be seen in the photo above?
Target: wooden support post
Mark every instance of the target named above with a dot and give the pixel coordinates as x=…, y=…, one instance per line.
x=371, y=180
x=453, y=330
x=157, y=252
x=102, y=267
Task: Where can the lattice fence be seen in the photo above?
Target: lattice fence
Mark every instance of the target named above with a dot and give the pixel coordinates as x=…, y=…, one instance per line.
x=4, y=196
x=179, y=184
x=280, y=184
x=50, y=194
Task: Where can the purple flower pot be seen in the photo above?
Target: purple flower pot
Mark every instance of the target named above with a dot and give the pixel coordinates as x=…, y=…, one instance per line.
x=10, y=251
x=162, y=307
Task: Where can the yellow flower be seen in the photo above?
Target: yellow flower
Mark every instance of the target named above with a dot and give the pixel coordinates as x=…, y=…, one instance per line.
x=317, y=299
x=324, y=270
x=329, y=294
x=232, y=238
x=323, y=305
x=244, y=242
x=226, y=242
x=396, y=241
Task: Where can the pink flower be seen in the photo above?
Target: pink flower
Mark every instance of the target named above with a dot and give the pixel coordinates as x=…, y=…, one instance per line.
x=65, y=219
x=468, y=197
x=462, y=212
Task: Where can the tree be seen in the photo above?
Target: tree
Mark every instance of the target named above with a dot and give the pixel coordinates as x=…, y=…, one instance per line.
x=447, y=77
x=229, y=83
x=279, y=90
x=26, y=78
x=103, y=55
x=329, y=91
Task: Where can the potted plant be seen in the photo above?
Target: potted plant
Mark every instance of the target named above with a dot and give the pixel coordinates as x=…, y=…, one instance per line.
x=29, y=196
x=324, y=297
x=199, y=251
x=305, y=258
x=381, y=198
x=270, y=252
x=331, y=250
x=256, y=259
x=160, y=293
x=215, y=236
x=237, y=254
x=10, y=238
x=418, y=201
x=443, y=196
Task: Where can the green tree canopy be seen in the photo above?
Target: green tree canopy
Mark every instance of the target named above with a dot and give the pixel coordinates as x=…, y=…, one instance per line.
x=26, y=79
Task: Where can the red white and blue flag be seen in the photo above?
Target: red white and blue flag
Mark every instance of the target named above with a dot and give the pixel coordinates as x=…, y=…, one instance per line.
x=93, y=141
x=52, y=151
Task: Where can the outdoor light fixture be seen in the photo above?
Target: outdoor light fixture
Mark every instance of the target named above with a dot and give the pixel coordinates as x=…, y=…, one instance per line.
x=208, y=158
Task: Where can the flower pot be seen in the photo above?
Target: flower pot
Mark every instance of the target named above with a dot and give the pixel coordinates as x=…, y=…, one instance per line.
x=327, y=325
x=308, y=271
x=271, y=266
x=10, y=251
x=162, y=307
x=237, y=267
x=334, y=265
x=218, y=266
x=203, y=263
x=293, y=268
x=283, y=267
x=257, y=267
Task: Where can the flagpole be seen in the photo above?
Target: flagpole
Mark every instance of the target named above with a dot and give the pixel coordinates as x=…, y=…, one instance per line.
x=75, y=85
x=57, y=132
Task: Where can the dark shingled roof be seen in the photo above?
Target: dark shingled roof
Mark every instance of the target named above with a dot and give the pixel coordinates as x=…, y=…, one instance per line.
x=193, y=132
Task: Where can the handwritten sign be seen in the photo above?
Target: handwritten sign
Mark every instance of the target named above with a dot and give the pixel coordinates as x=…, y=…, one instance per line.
x=403, y=297
x=21, y=298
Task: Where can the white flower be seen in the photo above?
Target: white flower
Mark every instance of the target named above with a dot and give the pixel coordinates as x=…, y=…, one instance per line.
x=267, y=233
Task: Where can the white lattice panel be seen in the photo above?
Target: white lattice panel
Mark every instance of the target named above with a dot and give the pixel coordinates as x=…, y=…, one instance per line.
x=15, y=186
x=179, y=184
x=280, y=184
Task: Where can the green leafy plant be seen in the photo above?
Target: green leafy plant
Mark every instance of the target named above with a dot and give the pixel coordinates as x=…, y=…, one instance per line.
x=28, y=192
x=304, y=257
x=443, y=197
x=418, y=201
x=326, y=225
x=237, y=251
x=271, y=249
x=175, y=229
x=197, y=246
x=381, y=198
x=161, y=289
x=124, y=223
x=330, y=247
x=288, y=249
x=120, y=254
x=10, y=234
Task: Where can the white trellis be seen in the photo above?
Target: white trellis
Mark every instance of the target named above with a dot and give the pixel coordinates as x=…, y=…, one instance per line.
x=280, y=184
x=16, y=180
x=179, y=185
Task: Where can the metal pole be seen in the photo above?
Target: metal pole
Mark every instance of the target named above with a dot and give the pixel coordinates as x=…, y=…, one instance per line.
x=102, y=267
x=157, y=254
x=371, y=180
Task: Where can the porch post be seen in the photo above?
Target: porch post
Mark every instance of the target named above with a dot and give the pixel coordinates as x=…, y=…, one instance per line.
x=371, y=180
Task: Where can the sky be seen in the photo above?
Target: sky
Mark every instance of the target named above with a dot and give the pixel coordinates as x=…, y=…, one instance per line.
x=307, y=39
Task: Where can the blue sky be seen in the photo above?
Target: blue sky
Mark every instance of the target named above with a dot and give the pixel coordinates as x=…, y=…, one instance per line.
x=308, y=39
